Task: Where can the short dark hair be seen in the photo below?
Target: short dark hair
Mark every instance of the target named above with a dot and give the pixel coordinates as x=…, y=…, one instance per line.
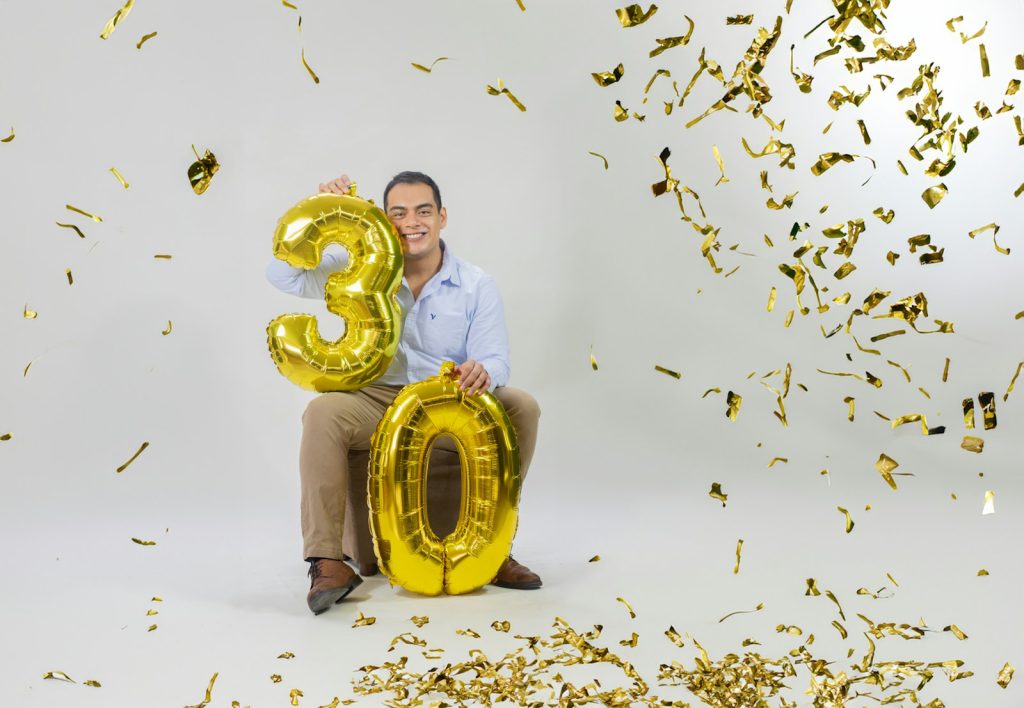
x=408, y=177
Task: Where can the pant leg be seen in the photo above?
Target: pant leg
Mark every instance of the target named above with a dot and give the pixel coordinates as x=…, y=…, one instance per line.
x=332, y=424
x=524, y=412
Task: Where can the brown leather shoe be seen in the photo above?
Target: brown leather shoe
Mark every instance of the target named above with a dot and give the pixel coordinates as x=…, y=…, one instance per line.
x=330, y=581
x=517, y=576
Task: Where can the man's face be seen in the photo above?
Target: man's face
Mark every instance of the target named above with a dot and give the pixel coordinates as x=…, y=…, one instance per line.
x=417, y=219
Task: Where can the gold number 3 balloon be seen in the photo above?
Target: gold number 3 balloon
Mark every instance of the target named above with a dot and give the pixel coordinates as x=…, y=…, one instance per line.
x=408, y=552
x=364, y=294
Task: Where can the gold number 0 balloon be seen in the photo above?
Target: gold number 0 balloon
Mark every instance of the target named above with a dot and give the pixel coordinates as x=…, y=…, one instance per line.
x=364, y=294
x=407, y=550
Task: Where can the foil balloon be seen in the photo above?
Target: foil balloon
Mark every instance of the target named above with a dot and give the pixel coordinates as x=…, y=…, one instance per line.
x=408, y=551
x=364, y=294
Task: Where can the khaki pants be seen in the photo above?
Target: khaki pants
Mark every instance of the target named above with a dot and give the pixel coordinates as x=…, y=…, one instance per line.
x=337, y=422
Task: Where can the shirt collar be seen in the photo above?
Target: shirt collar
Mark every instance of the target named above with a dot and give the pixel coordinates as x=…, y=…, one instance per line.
x=449, y=267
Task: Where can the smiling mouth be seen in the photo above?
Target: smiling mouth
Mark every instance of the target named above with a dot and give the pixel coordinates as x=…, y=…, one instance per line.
x=414, y=236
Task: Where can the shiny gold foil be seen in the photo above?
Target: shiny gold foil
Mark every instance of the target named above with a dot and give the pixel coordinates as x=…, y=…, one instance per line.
x=202, y=171
x=933, y=195
x=717, y=493
x=309, y=69
x=1005, y=675
x=990, y=503
x=607, y=78
x=849, y=521
x=168, y=330
x=428, y=69
x=973, y=444
x=112, y=23
x=758, y=608
x=885, y=465
x=666, y=43
x=123, y=467
x=739, y=549
x=633, y=15
x=733, y=401
x=363, y=621
x=603, y=158
x=59, y=675
x=669, y=372
x=145, y=38
x=739, y=20
x=9, y=138
x=122, y=180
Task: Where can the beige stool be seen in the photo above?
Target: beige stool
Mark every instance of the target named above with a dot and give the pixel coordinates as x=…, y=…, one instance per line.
x=444, y=495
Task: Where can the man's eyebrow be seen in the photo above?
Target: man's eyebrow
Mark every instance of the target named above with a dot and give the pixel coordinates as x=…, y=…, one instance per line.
x=418, y=206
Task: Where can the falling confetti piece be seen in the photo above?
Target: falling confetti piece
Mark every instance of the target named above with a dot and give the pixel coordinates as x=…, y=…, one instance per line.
x=502, y=90
x=595, y=559
x=29, y=314
x=849, y=520
x=760, y=606
x=717, y=493
x=593, y=360
x=607, y=78
x=121, y=179
x=983, y=55
x=419, y=621
x=201, y=172
x=276, y=678
x=432, y=65
x=957, y=632
x=168, y=330
x=59, y=675
x=603, y=158
x=501, y=625
x=674, y=636
x=123, y=467
x=521, y=5
x=75, y=209
x=739, y=20
x=850, y=401
x=143, y=543
x=739, y=548
x=209, y=693
x=721, y=165
x=294, y=695
x=362, y=621
x=121, y=13
x=885, y=465
x=669, y=372
x=92, y=682
x=733, y=401
x=631, y=642
x=145, y=38
x=633, y=15
x=73, y=227
x=990, y=503
x=286, y=655
x=1005, y=675
x=312, y=74
x=632, y=614
x=71, y=278
x=933, y=195
x=784, y=460
x=9, y=138
x=467, y=633
x=6, y=436
x=982, y=572
x=972, y=444
x=151, y=628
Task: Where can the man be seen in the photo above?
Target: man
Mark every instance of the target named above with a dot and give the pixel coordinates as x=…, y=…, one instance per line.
x=452, y=312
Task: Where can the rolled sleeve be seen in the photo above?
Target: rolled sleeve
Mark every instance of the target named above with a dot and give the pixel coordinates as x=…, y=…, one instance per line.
x=302, y=282
x=487, y=341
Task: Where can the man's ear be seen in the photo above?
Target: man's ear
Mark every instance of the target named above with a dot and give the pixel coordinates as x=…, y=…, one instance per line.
x=444, y=217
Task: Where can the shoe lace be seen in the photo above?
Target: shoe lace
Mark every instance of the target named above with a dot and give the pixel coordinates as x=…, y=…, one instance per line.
x=314, y=570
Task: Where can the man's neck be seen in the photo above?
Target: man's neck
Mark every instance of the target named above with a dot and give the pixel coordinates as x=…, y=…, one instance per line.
x=419, y=271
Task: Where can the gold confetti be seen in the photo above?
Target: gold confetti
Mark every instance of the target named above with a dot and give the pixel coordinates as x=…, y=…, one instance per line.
x=607, y=78
x=886, y=216
x=29, y=314
x=983, y=55
x=674, y=636
x=502, y=90
x=150, y=613
x=145, y=38
x=603, y=158
x=121, y=13
x=633, y=15
x=75, y=209
x=73, y=227
x=286, y=655
x=1009, y=388
x=631, y=642
x=982, y=572
x=9, y=138
x=987, y=399
x=885, y=465
x=849, y=520
x=431, y=67
x=168, y=330
x=163, y=256
x=59, y=675
x=739, y=548
x=886, y=335
x=151, y=628
x=933, y=195
x=733, y=401
x=760, y=606
x=467, y=633
x=990, y=503
x=786, y=203
x=362, y=621
x=501, y=626
x=973, y=444
x=201, y=172
x=784, y=460
x=844, y=270
x=711, y=390
x=593, y=360
x=123, y=467
x=294, y=695
x=276, y=678
x=957, y=632
x=419, y=621
x=521, y=5
x=721, y=165
x=739, y=20
x=92, y=682
x=1005, y=675
x=669, y=372
x=666, y=43
x=71, y=279
x=771, y=299
x=717, y=493
x=632, y=614
x=143, y=543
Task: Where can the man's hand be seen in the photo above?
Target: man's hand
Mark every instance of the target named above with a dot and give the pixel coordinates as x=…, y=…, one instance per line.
x=336, y=186
x=473, y=377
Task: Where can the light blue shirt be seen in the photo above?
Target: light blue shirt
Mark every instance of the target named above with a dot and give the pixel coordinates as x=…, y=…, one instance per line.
x=458, y=316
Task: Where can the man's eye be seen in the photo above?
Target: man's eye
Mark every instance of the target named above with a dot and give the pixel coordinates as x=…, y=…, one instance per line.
x=424, y=212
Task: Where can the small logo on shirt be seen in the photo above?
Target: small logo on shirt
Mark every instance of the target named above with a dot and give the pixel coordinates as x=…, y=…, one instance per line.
x=433, y=316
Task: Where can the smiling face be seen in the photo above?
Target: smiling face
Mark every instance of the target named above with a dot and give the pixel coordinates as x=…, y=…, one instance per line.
x=412, y=210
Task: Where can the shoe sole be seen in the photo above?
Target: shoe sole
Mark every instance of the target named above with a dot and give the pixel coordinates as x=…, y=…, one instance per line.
x=323, y=601
x=518, y=586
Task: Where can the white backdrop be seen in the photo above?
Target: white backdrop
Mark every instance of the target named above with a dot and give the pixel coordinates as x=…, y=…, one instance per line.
x=584, y=257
